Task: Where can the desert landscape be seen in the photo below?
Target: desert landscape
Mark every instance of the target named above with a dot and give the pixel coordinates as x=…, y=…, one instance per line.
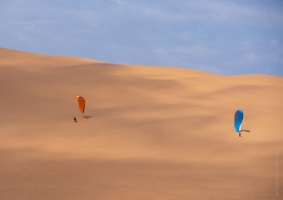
x=148, y=132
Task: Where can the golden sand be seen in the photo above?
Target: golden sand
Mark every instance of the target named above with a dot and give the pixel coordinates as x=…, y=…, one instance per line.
x=147, y=132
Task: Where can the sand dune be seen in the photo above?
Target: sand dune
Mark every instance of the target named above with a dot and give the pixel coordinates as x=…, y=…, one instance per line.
x=147, y=132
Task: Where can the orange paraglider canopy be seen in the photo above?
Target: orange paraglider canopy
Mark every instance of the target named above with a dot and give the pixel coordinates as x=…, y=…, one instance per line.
x=81, y=102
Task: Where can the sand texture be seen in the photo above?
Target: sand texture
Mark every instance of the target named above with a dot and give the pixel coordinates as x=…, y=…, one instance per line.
x=147, y=132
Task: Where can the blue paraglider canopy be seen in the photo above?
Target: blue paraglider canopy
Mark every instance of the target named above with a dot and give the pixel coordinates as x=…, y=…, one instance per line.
x=238, y=118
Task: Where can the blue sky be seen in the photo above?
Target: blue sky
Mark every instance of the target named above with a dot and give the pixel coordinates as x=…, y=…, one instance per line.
x=221, y=36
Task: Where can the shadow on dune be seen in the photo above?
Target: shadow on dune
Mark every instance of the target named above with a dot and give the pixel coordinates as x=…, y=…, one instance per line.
x=87, y=117
x=245, y=131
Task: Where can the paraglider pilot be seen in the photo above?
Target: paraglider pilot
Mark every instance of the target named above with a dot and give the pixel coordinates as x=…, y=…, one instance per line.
x=238, y=119
x=75, y=119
